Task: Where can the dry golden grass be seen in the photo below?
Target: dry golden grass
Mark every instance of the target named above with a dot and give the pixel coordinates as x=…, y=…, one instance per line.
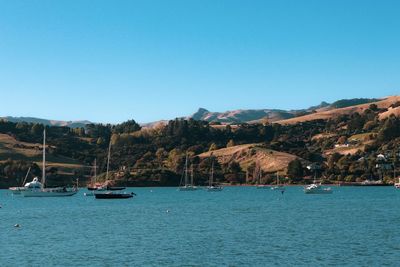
x=10, y=148
x=269, y=160
x=332, y=113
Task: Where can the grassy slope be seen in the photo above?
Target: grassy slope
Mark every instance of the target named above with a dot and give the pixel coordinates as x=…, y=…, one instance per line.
x=270, y=160
x=331, y=113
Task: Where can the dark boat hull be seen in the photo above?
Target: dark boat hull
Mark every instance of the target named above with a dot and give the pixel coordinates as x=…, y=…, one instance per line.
x=113, y=196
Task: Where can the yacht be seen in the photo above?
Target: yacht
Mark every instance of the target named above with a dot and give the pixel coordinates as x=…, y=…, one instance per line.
x=212, y=187
x=37, y=189
x=317, y=189
x=188, y=186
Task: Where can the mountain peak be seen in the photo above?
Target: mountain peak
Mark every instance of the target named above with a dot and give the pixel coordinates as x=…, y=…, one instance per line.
x=200, y=114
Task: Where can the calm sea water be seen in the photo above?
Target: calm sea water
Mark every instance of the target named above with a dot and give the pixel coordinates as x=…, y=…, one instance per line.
x=241, y=226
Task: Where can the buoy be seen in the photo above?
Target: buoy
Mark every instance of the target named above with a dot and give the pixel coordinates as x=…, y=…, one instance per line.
x=167, y=211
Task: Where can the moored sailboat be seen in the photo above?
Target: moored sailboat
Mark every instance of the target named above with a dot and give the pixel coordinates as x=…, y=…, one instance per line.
x=187, y=186
x=108, y=192
x=258, y=174
x=33, y=190
x=212, y=187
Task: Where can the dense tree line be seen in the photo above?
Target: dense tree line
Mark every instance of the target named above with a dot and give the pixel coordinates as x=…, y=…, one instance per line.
x=157, y=155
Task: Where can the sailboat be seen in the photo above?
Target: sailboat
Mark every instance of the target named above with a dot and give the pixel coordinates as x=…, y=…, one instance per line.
x=35, y=191
x=211, y=186
x=278, y=186
x=188, y=186
x=315, y=188
x=108, y=192
x=258, y=174
x=93, y=186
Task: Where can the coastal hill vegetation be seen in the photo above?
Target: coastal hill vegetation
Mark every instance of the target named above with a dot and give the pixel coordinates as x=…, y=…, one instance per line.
x=354, y=141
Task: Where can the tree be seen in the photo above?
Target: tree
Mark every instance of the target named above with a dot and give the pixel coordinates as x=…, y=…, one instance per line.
x=129, y=126
x=295, y=170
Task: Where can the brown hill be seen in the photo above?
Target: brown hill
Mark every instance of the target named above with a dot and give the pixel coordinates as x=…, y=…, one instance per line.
x=269, y=160
x=10, y=148
x=335, y=112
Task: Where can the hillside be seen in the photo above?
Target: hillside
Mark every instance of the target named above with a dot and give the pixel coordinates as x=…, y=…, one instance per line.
x=347, y=146
x=269, y=160
x=330, y=112
x=238, y=116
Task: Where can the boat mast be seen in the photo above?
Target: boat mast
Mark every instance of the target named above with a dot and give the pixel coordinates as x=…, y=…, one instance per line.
x=95, y=171
x=192, y=175
x=108, y=160
x=26, y=176
x=44, y=159
x=186, y=170
x=212, y=173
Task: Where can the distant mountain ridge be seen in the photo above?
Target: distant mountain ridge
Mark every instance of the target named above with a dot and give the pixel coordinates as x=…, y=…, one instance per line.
x=252, y=115
x=70, y=124
x=235, y=116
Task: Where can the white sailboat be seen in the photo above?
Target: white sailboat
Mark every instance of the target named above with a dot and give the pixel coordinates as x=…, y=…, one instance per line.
x=211, y=186
x=188, y=186
x=278, y=186
x=33, y=190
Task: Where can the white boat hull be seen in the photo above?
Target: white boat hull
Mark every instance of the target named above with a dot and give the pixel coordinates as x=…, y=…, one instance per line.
x=49, y=193
x=188, y=188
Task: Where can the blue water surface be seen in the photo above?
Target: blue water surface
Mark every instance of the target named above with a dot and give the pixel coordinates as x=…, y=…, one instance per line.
x=240, y=226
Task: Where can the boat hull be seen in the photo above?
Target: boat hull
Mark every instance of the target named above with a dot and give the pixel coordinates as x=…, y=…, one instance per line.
x=188, y=188
x=278, y=188
x=113, y=196
x=17, y=190
x=49, y=193
x=214, y=189
x=318, y=192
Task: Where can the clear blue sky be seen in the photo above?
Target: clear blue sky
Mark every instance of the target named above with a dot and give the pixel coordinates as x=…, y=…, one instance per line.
x=109, y=61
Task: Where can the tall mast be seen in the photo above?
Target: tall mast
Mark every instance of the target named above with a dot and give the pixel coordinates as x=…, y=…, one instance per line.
x=44, y=159
x=108, y=160
x=212, y=173
x=95, y=170
x=186, y=170
x=192, y=175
